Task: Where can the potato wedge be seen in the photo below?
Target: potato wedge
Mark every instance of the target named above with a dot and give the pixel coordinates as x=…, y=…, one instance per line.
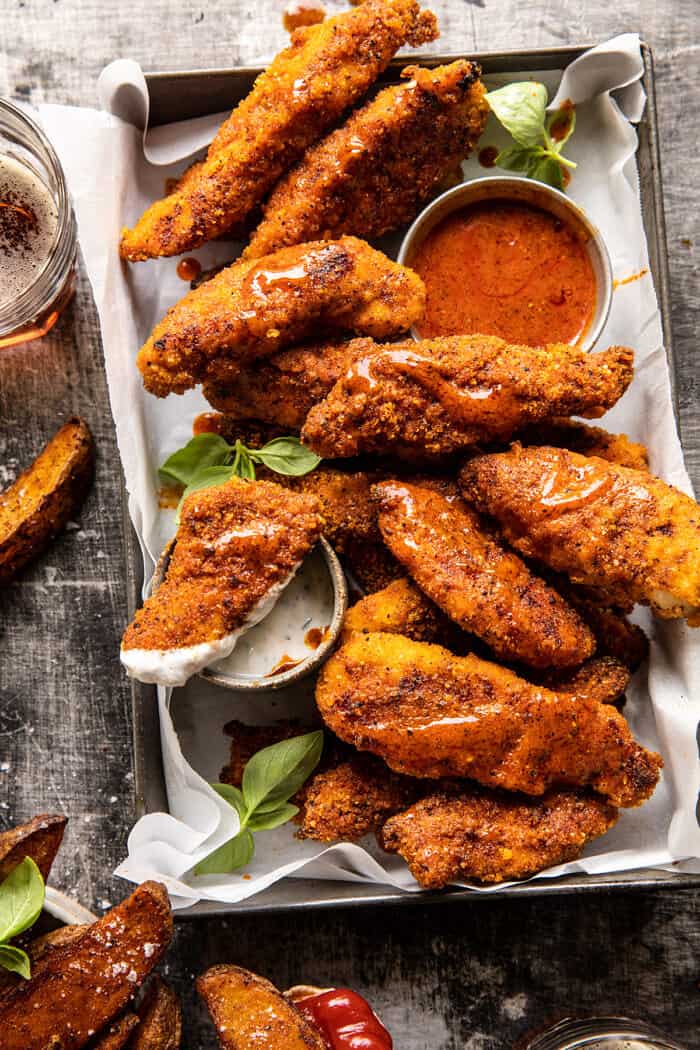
x=38, y=950
x=249, y=1012
x=39, y=839
x=160, y=1026
x=115, y=1035
x=45, y=496
x=84, y=984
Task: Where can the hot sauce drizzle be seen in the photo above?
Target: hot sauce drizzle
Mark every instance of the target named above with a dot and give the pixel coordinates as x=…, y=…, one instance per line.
x=345, y=1020
x=207, y=423
x=508, y=269
x=188, y=269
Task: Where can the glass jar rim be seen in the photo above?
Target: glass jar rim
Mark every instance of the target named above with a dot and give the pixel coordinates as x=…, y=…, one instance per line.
x=578, y=1033
x=50, y=279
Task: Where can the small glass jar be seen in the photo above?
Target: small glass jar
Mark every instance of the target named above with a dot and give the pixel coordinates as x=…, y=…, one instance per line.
x=602, y=1033
x=37, y=304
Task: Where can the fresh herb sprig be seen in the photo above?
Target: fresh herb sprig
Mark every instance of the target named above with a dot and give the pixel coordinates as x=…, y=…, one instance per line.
x=522, y=110
x=270, y=778
x=21, y=900
x=208, y=459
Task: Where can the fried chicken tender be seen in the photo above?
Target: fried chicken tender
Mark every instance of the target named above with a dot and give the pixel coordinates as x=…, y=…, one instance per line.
x=371, y=565
x=247, y=739
x=462, y=565
x=253, y=309
x=441, y=395
x=619, y=530
x=374, y=173
x=283, y=388
x=614, y=634
x=492, y=837
x=588, y=440
x=345, y=504
x=602, y=678
x=352, y=799
x=237, y=546
x=428, y=713
x=304, y=91
x=399, y=608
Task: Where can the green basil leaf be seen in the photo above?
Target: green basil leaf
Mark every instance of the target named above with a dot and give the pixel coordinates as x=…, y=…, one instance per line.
x=232, y=795
x=204, y=450
x=564, y=119
x=521, y=109
x=15, y=960
x=548, y=170
x=21, y=899
x=245, y=467
x=235, y=853
x=276, y=772
x=274, y=818
x=515, y=158
x=207, y=478
x=287, y=455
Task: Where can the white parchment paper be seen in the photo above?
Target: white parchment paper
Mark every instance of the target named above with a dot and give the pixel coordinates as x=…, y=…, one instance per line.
x=115, y=166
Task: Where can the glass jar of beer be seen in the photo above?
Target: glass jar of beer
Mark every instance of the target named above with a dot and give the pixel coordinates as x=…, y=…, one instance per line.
x=602, y=1033
x=38, y=238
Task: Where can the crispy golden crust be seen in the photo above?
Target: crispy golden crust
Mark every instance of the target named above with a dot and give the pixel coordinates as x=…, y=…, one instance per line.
x=45, y=496
x=373, y=174
x=615, y=635
x=40, y=839
x=491, y=837
x=248, y=1011
x=428, y=713
x=305, y=90
x=603, y=679
x=116, y=1034
x=160, y=1019
x=441, y=395
x=235, y=543
x=345, y=504
x=462, y=565
x=622, y=531
x=283, y=389
x=352, y=799
x=253, y=309
x=399, y=608
x=588, y=441
x=89, y=980
x=371, y=565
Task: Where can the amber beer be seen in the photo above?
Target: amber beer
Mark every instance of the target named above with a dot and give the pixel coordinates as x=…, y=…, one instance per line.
x=37, y=231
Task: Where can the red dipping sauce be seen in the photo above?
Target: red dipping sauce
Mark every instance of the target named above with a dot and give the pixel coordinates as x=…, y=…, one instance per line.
x=509, y=269
x=345, y=1020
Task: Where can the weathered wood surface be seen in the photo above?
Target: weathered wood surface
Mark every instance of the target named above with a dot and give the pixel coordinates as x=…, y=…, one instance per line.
x=446, y=977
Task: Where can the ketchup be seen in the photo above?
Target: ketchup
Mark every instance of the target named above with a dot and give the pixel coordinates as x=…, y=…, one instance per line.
x=345, y=1020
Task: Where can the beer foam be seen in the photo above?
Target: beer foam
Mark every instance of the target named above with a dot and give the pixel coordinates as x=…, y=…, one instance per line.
x=28, y=221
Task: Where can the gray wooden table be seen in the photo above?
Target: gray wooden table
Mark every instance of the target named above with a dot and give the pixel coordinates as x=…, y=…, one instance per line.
x=475, y=975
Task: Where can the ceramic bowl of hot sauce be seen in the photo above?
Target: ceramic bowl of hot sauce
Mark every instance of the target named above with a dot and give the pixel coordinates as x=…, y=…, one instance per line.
x=510, y=257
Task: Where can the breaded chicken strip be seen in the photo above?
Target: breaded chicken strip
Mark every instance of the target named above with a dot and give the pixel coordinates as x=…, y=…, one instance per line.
x=621, y=531
x=603, y=678
x=428, y=713
x=374, y=173
x=371, y=565
x=459, y=562
x=283, y=388
x=252, y=309
x=588, y=440
x=345, y=504
x=247, y=739
x=399, y=608
x=237, y=547
x=615, y=635
x=441, y=395
x=493, y=837
x=352, y=799
x=303, y=92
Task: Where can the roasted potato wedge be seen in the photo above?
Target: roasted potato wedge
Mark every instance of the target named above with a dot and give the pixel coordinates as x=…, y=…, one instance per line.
x=83, y=985
x=160, y=1025
x=39, y=839
x=249, y=1012
x=45, y=496
x=115, y=1035
x=38, y=950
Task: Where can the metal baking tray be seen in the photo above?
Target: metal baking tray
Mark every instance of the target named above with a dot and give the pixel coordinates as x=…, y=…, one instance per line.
x=195, y=93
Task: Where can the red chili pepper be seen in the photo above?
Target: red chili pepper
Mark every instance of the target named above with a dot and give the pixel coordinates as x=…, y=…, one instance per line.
x=345, y=1020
